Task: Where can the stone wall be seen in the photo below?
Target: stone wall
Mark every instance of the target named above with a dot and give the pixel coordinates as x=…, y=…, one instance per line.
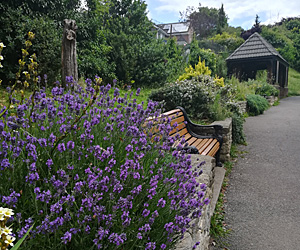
x=199, y=231
x=242, y=105
x=271, y=99
x=227, y=138
x=213, y=177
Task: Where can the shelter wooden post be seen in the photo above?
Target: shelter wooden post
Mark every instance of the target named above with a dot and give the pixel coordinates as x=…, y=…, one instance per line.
x=277, y=72
x=68, y=54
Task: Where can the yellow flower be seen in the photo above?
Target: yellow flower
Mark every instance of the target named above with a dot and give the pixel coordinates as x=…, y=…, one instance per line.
x=98, y=80
x=22, y=63
x=24, y=52
x=31, y=35
x=33, y=56
x=28, y=44
x=2, y=46
x=26, y=84
x=1, y=57
x=1, y=66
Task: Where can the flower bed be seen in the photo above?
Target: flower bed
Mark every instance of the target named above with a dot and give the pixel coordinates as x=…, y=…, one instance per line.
x=80, y=166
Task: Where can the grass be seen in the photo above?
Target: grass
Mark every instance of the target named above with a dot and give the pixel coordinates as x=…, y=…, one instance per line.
x=294, y=82
x=218, y=229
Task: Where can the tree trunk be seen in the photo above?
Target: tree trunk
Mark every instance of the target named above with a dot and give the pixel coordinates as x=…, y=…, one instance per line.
x=68, y=54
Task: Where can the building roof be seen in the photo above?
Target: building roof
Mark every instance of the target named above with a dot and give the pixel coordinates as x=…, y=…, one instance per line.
x=176, y=27
x=254, y=47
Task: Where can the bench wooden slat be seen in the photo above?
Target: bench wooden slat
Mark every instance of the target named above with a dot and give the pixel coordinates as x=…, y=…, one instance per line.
x=198, y=143
x=209, y=147
x=169, y=113
x=191, y=140
x=179, y=120
x=205, y=146
x=183, y=132
x=187, y=137
x=178, y=128
x=214, y=150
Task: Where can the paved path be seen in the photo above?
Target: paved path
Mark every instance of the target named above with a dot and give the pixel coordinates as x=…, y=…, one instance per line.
x=263, y=208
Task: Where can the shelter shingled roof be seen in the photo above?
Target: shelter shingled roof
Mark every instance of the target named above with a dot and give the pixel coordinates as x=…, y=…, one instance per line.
x=254, y=47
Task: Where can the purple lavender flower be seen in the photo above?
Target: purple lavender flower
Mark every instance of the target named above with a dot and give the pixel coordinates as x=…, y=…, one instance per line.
x=61, y=147
x=67, y=237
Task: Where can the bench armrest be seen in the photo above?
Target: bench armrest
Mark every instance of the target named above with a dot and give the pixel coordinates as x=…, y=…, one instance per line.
x=217, y=128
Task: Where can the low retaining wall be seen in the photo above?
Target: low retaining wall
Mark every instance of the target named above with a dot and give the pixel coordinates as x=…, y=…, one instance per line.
x=242, y=105
x=199, y=231
x=271, y=99
x=213, y=177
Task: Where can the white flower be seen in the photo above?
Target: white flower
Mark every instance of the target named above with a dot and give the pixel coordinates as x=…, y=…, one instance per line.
x=2, y=45
x=6, y=231
x=2, y=217
x=1, y=57
x=8, y=212
x=2, y=210
x=9, y=240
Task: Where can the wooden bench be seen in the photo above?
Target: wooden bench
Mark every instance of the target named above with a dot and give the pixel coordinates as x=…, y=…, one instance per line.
x=207, y=142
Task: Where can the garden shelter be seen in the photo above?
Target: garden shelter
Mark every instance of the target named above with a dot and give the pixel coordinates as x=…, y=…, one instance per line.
x=257, y=54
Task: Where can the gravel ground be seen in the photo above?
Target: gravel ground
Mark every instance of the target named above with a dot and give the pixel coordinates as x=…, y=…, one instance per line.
x=263, y=197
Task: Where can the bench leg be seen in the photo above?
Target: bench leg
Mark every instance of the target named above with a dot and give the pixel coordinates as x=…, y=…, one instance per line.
x=218, y=162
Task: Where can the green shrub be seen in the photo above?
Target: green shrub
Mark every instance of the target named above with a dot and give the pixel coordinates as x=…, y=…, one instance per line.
x=238, y=135
x=256, y=104
x=201, y=96
x=192, y=95
x=240, y=89
x=266, y=90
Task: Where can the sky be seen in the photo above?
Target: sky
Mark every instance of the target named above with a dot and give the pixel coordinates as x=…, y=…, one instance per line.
x=240, y=12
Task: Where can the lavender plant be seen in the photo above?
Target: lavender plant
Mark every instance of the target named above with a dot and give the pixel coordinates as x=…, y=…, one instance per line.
x=87, y=170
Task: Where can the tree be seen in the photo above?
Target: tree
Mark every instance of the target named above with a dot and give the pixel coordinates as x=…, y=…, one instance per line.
x=222, y=20
x=205, y=21
x=255, y=28
x=127, y=31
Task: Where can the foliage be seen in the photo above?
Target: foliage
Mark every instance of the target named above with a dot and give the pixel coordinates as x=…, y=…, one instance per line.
x=266, y=90
x=197, y=96
x=127, y=31
x=229, y=41
x=256, y=104
x=158, y=63
x=241, y=89
x=14, y=25
x=205, y=21
x=238, y=135
x=281, y=42
x=205, y=54
x=190, y=72
x=93, y=50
